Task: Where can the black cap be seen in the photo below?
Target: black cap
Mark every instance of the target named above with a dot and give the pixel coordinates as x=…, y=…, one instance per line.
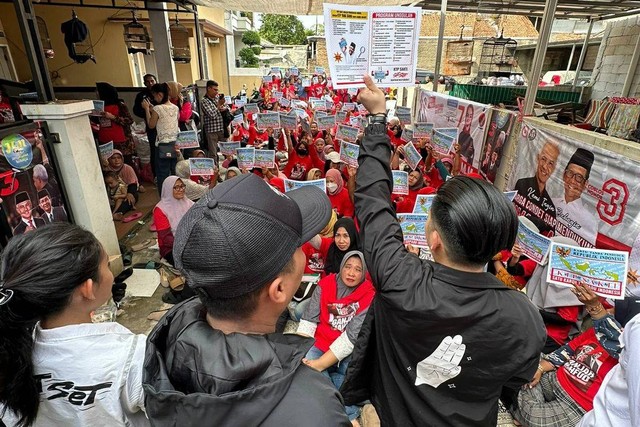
x=42, y=194
x=583, y=158
x=241, y=234
x=23, y=196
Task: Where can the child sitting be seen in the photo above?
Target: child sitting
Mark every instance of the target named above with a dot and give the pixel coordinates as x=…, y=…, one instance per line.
x=117, y=191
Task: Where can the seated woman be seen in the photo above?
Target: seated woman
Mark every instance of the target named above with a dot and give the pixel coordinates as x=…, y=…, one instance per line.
x=339, y=196
x=126, y=174
x=328, y=252
x=193, y=191
x=334, y=316
x=57, y=367
x=567, y=380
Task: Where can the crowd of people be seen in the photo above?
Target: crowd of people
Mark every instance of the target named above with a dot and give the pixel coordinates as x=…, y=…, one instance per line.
x=438, y=341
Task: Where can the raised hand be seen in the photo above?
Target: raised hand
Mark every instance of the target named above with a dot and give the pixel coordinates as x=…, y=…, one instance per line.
x=372, y=97
x=443, y=364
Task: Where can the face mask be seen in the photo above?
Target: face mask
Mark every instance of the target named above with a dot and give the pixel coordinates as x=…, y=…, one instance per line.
x=332, y=187
x=302, y=151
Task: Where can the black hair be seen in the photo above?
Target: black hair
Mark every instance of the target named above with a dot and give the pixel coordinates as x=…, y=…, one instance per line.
x=149, y=75
x=162, y=88
x=240, y=307
x=212, y=83
x=110, y=174
x=42, y=269
x=474, y=219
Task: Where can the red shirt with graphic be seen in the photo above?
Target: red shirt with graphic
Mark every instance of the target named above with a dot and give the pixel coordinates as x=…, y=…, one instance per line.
x=316, y=257
x=335, y=314
x=582, y=375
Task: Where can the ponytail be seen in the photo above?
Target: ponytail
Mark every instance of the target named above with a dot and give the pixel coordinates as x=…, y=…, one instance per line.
x=39, y=271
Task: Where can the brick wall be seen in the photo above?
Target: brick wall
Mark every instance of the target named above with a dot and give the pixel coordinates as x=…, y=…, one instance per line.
x=614, y=59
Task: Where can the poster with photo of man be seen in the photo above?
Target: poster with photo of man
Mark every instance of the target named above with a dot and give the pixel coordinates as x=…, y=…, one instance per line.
x=576, y=190
x=448, y=112
x=498, y=134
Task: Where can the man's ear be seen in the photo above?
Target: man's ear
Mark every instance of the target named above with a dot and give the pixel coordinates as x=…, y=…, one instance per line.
x=87, y=289
x=434, y=239
x=276, y=291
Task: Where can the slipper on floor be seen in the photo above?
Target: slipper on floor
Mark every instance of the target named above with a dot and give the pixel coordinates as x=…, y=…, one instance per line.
x=143, y=245
x=124, y=275
x=132, y=217
x=177, y=283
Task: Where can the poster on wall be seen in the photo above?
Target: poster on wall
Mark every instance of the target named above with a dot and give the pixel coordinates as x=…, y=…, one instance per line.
x=31, y=194
x=448, y=112
x=498, y=133
x=572, y=189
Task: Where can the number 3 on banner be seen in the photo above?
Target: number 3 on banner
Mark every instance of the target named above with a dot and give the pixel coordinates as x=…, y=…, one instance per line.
x=613, y=212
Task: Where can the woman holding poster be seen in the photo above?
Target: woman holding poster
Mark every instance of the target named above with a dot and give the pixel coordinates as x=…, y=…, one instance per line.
x=464, y=137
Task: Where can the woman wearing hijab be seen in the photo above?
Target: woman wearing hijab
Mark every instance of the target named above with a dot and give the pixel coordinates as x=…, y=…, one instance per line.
x=193, y=190
x=314, y=174
x=126, y=174
x=338, y=195
x=168, y=213
x=334, y=316
x=404, y=204
x=115, y=121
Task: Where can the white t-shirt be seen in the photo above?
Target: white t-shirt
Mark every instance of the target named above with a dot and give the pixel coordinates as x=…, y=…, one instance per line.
x=575, y=217
x=90, y=375
x=617, y=403
x=167, y=125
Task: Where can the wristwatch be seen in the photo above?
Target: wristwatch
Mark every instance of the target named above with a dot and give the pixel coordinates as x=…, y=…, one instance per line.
x=377, y=124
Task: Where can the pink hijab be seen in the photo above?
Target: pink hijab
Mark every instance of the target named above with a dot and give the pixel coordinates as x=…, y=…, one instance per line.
x=173, y=208
x=126, y=172
x=337, y=178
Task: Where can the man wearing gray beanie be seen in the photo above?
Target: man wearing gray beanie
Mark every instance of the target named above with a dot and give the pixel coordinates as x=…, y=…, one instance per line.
x=216, y=360
x=574, y=219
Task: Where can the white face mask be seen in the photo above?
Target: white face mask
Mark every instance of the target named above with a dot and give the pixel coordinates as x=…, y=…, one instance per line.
x=332, y=187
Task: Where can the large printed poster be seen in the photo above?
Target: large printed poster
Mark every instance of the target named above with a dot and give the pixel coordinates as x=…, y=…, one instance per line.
x=498, y=134
x=572, y=189
x=468, y=117
x=379, y=41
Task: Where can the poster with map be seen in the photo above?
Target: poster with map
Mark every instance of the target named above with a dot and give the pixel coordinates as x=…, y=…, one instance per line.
x=605, y=272
x=414, y=229
x=535, y=246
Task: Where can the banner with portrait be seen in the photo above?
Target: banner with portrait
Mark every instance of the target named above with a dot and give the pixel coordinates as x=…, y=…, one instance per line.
x=572, y=189
x=31, y=194
x=468, y=117
x=498, y=135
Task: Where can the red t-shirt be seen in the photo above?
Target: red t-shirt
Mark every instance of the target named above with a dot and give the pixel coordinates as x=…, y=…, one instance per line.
x=110, y=130
x=163, y=228
x=560, y=333
x=582, y=375
x=316, y=257
x=342, y=204
x=297, y=167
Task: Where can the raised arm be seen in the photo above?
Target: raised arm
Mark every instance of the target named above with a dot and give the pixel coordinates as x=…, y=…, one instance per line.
x=390, y=265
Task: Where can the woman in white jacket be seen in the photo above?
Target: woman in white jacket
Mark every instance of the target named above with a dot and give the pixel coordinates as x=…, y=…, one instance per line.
x=56, y=366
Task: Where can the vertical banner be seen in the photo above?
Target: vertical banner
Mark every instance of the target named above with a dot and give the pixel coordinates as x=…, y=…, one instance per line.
x=448, y=112
x=498, y=133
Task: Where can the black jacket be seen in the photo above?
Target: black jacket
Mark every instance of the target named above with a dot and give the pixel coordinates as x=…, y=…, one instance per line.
x=195, y=375
x=419, y=304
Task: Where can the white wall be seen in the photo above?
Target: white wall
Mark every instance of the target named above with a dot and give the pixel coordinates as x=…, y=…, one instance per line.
x=614, y=58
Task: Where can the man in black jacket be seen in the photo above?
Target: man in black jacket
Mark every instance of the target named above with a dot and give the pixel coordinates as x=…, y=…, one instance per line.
x=442, y=338
x=217, y=361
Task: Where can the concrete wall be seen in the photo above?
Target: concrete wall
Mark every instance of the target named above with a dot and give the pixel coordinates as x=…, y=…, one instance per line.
x=614, y=58
x=557, y=58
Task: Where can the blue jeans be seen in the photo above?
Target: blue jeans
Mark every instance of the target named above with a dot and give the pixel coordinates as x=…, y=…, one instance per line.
x=336, y=374
x=165, y=167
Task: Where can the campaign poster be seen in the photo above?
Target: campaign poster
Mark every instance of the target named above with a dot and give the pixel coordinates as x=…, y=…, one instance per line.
x=228, y=148
x=341, y=116
x=277, y=94
x=448, y=112
x=320, y=114
x=228, y=100
x=411, y=155
x=31, y=193
x=318, y=105
x=246, y=157
x=423, y=203
x=326, y=122
x=572, y=189
x=268, y=120
x=404, y=115
x=187, y=139
x=288, y=122
x=252, y=108
x=442, y=143
x=267, y=79
x=378, y=41
x=604, y=271
x=498, y=134
x=407, y=135
x=349, y=153
x=239, y=103
x=284, y=102
x=535, y=246
x=294, y=71
x=106, y=150
x=201, y=166
x=422, y=130
x=292, y=185
x=265, y=159
x=414, y=229
x=347, y=133
x=237, y=119
x=349, y=106
x=400, y=182
x=98, y=108
x=510, y=195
